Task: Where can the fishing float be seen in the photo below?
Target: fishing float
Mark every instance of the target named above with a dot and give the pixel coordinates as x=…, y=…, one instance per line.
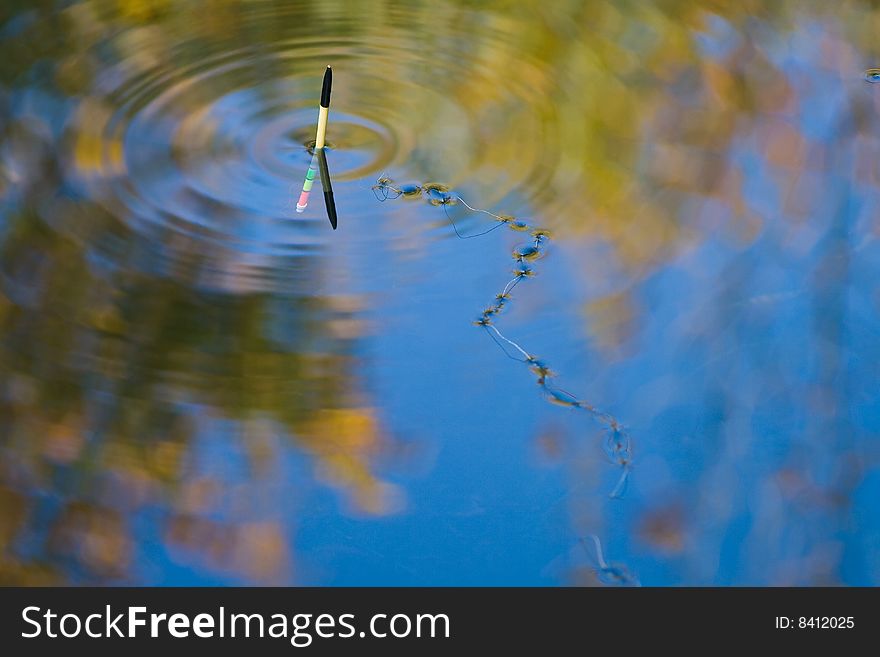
x=319, y=157
x=324, y=108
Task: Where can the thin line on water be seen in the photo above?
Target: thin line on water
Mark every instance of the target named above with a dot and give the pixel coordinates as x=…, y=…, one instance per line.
x=503, y=348
x=511, y=343
x=467, y=237
x=618, y=443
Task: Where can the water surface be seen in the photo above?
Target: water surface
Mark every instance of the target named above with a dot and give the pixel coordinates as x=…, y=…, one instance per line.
x=200, y=386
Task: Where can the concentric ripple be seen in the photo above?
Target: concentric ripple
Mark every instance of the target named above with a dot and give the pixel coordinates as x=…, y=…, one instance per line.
x=183, y=134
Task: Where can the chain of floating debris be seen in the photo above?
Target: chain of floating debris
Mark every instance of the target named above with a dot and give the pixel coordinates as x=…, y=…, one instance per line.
x=618, y=445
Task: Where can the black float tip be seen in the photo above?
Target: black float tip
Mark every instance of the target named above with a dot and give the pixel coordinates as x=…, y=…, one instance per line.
x=325, y=88
x=328, y=188
x=331, y=209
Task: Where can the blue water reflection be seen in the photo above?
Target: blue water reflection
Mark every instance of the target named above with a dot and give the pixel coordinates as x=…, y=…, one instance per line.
x=200, y=386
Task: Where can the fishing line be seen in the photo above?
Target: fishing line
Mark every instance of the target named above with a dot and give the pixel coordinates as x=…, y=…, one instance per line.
x=492, y=214
x=510, y=342
x=607, y=572
x=502, y=347
x=467, y=237
x=618, y=445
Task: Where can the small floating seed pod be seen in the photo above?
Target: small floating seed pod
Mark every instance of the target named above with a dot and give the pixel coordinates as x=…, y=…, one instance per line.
x=562, y=398
x=410, y=189
x=384, y=189
x=540, y=369
x=438, y=194
x=527, y=253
